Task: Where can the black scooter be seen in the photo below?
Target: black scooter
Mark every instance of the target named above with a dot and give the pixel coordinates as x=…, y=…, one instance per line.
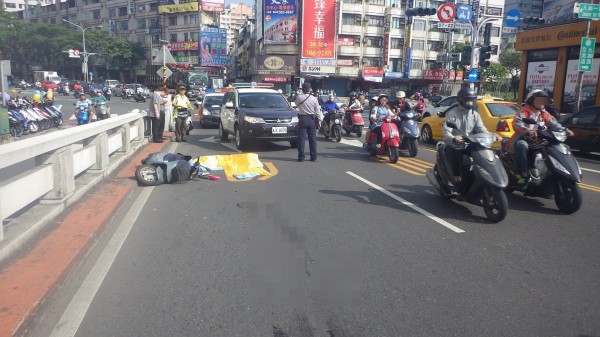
x=483, y=177
x=139, y=98
x=333, y=129
x=553, y=170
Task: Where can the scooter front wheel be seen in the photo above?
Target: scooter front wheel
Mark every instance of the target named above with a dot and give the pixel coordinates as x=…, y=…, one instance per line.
x=358, y=131
x=393, y=154
x=146, y=175
x=495, y=204
x=338, y=135
x=567, y=196
x=413, y=147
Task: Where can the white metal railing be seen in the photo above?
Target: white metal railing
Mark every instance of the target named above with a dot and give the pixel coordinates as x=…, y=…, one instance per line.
x=61, y=157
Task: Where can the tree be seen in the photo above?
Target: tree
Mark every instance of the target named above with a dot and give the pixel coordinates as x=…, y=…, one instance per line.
x=495, y=77
x=511, y=59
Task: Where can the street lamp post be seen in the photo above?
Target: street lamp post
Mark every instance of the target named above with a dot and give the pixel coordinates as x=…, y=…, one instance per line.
x=85, y=54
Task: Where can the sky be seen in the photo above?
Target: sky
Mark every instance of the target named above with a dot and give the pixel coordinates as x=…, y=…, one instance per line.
x=245, y=2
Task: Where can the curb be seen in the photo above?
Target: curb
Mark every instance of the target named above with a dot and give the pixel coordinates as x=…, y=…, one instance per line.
x=30, y=279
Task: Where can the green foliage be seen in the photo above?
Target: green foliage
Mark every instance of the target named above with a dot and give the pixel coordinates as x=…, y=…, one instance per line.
x=43, y=44
x=496, y=78
x=465, y=50
x=511, y=59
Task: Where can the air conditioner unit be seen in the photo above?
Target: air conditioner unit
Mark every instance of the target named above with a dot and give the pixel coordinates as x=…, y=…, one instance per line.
x=395, y=5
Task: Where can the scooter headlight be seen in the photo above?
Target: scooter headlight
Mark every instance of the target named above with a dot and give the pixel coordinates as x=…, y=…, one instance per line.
x=485, y=140
x=561, y=136
x=336, y=121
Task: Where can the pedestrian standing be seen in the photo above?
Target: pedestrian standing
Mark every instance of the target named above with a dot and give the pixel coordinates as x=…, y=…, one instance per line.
x=309, y=120
x=181, y=104
x=157, y=113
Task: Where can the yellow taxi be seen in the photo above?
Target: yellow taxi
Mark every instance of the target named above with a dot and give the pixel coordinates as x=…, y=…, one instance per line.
x=497, y=116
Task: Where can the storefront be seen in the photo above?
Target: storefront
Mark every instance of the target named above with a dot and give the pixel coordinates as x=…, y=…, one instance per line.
x=550, y=62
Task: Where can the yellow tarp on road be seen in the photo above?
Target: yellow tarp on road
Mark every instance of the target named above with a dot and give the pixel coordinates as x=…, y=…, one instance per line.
x=235, y=164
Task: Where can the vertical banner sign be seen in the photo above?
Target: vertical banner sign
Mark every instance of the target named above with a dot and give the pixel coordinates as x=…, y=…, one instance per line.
x=318, y=29
x=112, y=27
x=213, y=47
x=386, y=48
x=280, y=22
x=586, y=53
x=260, y=18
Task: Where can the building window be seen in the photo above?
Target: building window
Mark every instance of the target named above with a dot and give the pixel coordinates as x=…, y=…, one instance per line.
x=418, y=45
x=172, y=21
x=377, y=2
x=396, y=43
x=416, y=64
x=141, y=38
x=397, y=23
x=495, y=31
x=122, y=11
x=96, y=15
x=124, y=25
x=195, y=36
x=418, y=25
x=141, y=23
x=352, y=1
x=153, y=8
x=194, y=19
x=186, y=37
x=433, y=26
x=420, y=3
x=112, y=12
x=372, y=62
x=435, y=45
x=173, y=38
x=351, y=19
x=431, y=65
x=376, y=21
x=87, y=16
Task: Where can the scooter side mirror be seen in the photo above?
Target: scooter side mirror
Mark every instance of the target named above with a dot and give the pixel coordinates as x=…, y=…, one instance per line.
x=451, y=125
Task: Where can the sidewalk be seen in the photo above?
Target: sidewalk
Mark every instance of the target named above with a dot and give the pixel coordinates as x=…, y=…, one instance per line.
x=26, y=282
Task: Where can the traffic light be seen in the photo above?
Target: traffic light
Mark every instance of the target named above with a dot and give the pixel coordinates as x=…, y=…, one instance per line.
x=484, y=56
x=531, y=20
x=420, y=11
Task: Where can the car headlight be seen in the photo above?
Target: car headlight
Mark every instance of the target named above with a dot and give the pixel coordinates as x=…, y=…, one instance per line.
x=253, y=120
x=295, y=119
x=205, y=112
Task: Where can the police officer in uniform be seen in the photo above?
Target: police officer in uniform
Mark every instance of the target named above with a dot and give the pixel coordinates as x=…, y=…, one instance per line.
x=309, y=120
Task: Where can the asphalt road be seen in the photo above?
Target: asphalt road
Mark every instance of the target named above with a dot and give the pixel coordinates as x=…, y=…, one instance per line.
x=346, y=246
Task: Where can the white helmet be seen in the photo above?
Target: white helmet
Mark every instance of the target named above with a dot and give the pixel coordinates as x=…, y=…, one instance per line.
x=400, y=94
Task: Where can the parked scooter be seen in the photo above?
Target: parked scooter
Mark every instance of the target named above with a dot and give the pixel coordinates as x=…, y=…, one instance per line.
x=334, y=128
x=355, y=123
x=553, y=170
x=483, y=178
x=390, y=141
x=409, y=132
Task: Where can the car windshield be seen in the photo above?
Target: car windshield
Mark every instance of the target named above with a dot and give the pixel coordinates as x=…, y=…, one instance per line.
x=502, y=109
x=213, y=100
x=262, y=100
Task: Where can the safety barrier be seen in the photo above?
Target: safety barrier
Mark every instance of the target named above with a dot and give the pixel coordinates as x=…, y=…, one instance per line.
x=66, y=164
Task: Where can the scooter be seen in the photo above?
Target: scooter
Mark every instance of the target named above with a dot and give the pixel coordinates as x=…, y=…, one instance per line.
x=390, y=141
x=101, y=110
x=66, y=91
x=483, y=178
x=139, y=98
x=553, y=170
x=333, y=128
x=409, y=132
x=126, y=94
x=108, y=93
x=164, y=167
x=354, y=123
x=83, y=115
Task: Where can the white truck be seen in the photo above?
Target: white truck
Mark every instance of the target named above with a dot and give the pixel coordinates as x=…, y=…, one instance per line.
x=42, y=76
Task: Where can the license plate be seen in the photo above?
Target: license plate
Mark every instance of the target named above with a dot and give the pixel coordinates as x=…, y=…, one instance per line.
x=279, y=129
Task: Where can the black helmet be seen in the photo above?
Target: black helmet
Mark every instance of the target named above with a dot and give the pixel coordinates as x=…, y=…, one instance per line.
x=352, y=93
x=466, y=97
x=535, y=93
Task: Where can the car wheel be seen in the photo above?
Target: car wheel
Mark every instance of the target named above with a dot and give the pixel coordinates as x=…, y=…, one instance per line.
x=222, y=133
x=426, y=134
x=240, y=143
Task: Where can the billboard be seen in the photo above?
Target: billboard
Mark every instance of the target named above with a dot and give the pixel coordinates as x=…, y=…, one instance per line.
x=276, y=64
x=558, y=11
x=213, y=47
x=213, y=5
x=280, y=22
x=540, y=75
x=318, y=29
x=178, y=6
x=588, y=86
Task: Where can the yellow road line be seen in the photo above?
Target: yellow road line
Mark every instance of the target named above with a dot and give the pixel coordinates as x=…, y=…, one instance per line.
x=590, y=187
x=405, y=170
x=417, y=163
x=410, y=166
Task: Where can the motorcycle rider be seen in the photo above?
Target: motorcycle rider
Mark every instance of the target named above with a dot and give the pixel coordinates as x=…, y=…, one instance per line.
x=86, y=103
x=353, y=104
x=99, y=99
x=381, y=110
x=138, y=91
x=468, y=122
x=401, y=103
x=536, y=101
x=420, y=106
x=328, y=106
